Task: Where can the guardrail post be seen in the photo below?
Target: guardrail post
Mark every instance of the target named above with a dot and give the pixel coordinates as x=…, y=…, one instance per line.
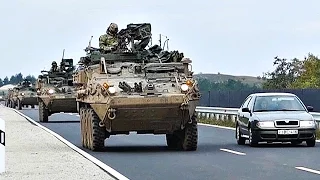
x=2, y=146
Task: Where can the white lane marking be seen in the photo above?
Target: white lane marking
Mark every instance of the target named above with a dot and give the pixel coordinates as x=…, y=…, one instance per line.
x=102, y=165
x=308, y=170
x=234, y=152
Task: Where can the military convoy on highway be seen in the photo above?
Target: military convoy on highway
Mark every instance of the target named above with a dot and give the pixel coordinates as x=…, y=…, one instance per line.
x=22, y=95
x=148, y=90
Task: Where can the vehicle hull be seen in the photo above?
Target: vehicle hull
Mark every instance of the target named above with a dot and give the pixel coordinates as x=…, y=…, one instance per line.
x=157, y=115
x=56, y=104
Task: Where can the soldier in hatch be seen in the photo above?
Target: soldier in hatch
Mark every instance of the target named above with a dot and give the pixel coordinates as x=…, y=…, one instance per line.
x=54, y=67
x=109, y=41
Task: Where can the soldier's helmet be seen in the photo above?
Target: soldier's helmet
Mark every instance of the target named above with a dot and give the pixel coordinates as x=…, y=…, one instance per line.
x=54, y=63
x=113, y=28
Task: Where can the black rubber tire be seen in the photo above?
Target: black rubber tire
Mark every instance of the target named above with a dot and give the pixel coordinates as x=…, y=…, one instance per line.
x=240, y=140
x=311, y=142
x=189, y=142
x=19, y=104
x=252, y=141
x=32, y=106
x=96, y=136
x=43, y=112
x=82, y=113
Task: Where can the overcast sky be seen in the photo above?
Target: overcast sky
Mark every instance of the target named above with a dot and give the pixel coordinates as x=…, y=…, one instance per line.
x=230, y=37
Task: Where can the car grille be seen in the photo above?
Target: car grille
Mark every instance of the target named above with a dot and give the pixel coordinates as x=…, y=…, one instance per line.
x=287, y=123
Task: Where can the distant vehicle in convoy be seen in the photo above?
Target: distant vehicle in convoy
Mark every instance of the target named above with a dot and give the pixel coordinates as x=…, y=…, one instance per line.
x=56, y=92
x=149, y=91
x=24, y=94
x=275, y=117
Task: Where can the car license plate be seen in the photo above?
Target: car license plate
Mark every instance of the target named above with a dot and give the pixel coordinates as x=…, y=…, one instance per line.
x=288, y=131
x=60, y=96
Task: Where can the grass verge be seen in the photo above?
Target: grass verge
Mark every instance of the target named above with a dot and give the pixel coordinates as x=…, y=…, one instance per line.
x=230, y=123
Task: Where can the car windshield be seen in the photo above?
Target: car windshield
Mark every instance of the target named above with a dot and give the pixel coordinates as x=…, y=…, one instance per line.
x=277, y=103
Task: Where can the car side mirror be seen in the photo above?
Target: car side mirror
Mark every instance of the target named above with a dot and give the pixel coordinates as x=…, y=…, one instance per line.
x=309, y=108
x=245, y=110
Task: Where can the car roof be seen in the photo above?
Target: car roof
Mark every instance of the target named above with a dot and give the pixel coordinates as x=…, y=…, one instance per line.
x=273, y=94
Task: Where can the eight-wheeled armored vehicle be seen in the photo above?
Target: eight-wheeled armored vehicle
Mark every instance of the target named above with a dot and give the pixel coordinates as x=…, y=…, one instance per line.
x=149, y=91
x=56, y=92
x=25, y=95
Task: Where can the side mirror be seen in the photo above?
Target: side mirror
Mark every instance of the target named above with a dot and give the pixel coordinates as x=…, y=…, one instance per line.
x=309, y=108
x=245, y=110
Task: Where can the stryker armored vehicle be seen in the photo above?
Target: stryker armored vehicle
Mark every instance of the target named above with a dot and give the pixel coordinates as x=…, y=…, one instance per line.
x=149, y=91
x=24, y=94
x=8, y=98
x=56, y=92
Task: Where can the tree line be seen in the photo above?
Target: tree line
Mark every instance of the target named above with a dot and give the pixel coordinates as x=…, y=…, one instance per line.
x=288, y=74
x=294, y=73
x=15, y=79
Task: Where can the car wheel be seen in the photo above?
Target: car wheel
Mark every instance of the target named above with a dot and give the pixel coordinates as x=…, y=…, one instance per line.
x=311, y=142
x=240, y=140
x=252, y=141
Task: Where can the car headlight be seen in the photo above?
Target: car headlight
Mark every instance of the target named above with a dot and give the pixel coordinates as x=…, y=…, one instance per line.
x=184, y=87
x=265, y=124
x=307, y=123
x=22, y=94
x=51, y=91
x=112, y=90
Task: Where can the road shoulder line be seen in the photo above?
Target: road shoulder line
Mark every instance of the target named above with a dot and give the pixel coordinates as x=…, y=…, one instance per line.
x=102, y=165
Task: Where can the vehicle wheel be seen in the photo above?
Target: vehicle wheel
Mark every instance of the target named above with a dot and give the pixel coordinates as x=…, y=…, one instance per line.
x=43, y=112
x=12, y=104
x=252, y=141
x=19, y=105
x=83, y=127
x=96, y=134
x=311, y=142
x=240, y=140
x=189, y=142
x=32, y=106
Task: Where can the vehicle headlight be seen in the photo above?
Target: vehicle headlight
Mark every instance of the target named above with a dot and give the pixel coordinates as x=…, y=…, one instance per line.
x=22, y=94
x=51, y=91
x=184, y=87
x=112, y=90
x=307, y=123
x=266, y=124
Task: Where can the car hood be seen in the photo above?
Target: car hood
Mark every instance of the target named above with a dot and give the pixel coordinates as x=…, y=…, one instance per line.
x=277, y=115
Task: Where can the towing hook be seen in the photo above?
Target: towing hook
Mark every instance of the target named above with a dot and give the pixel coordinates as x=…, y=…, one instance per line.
x=111, y=114
x=101, y=124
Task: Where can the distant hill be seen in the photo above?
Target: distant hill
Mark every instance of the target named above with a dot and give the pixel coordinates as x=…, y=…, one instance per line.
x=216, y=78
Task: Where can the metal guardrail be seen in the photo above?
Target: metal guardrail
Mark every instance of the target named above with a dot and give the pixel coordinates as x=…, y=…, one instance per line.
x=209, y=111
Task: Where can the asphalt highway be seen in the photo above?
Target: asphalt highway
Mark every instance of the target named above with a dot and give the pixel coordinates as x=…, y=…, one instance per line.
x=218, y=156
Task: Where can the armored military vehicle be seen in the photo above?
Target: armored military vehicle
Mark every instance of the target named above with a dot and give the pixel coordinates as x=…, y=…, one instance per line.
x=149, y=91
x=56, y=92
x=24, y=94
x=8, y=98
